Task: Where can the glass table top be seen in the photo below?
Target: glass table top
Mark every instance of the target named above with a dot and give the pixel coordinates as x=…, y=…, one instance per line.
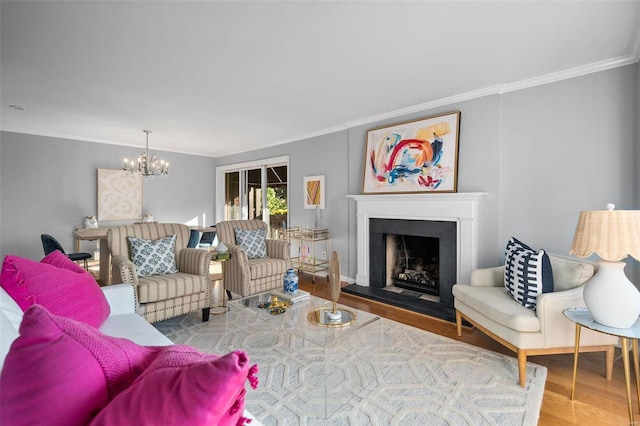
x=296, y=320
x=583, y=317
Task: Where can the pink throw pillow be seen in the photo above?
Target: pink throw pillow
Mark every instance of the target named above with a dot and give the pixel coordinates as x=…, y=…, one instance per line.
x=60, y=260
x=64, y=371
x=56, y=283
x=185, y=387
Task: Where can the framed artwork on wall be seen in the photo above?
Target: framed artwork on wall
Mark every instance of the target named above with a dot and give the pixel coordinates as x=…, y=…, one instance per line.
x=414, y=156
x=119, y=195
x=314, y=192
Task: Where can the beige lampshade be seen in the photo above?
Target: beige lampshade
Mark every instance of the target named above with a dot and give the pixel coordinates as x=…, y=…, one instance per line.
x=611, y=234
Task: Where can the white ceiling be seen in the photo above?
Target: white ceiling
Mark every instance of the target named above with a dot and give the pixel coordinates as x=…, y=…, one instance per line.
x=216, y=78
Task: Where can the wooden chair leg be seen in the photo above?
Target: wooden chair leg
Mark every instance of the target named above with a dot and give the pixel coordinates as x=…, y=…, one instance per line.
x=522, y=366
x=459, y=323
x=205, y=314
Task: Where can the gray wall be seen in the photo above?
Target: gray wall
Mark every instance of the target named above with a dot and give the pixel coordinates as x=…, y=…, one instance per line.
x=542, y=154
x=326, y=155
x=49, y=184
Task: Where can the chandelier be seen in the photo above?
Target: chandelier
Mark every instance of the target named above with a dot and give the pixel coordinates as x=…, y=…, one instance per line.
x=148, y=165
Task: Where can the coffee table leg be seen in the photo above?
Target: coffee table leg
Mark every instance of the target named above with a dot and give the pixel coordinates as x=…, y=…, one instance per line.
x=219, y=310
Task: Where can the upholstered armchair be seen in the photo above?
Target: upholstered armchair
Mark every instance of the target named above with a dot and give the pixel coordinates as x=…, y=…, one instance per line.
x=245, y=275
x=486, y=304
x=164, y=295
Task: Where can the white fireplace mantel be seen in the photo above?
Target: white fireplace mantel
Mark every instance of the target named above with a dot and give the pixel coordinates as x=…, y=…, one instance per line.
x=460, y=207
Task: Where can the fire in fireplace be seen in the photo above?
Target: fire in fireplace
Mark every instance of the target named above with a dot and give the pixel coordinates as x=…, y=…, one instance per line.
x=413, y=263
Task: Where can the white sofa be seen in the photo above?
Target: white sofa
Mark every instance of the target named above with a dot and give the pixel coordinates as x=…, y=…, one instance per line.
x=122, y=322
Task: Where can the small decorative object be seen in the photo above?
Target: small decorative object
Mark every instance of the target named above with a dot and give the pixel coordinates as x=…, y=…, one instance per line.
x=334, y=288
x=415, y=156
x=221, y=248
x=148, y=218
x=329, y=315
x=610, y=297
x=317, y=224
x=90, y=222
x=290, y=282
x=275, y=306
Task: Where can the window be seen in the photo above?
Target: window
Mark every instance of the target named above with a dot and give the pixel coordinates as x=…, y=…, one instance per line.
x=256, y=190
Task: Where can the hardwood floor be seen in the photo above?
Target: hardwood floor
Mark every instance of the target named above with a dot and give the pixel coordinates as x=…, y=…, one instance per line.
x=598, y=401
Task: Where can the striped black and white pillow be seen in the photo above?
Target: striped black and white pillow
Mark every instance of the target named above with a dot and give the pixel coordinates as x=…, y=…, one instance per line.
x=527, y=273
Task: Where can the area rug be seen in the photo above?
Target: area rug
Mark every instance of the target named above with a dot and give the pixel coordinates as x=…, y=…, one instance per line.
x=387, y=373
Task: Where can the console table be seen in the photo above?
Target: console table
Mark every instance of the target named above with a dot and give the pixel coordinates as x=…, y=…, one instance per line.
x=92, y=234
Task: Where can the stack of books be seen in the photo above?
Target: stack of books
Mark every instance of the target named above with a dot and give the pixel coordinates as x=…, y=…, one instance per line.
x=300, y=296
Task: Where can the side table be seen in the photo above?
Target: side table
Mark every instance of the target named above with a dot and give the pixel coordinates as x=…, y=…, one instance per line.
x=582, y=318
x=219, y=310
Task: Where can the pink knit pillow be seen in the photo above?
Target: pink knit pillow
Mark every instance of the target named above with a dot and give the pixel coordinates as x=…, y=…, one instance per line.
x=65, y=371
x=60, y=260
x=56, y=283
x=185, y=387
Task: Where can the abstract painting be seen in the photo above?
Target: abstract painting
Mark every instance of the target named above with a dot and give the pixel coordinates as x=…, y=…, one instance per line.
x=415, y=156
x=119, y=195
x=314, y=192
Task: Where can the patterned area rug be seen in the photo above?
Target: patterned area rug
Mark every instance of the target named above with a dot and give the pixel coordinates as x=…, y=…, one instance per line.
x=387, y=373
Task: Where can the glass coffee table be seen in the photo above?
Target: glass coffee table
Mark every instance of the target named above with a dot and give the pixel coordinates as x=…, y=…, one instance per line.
x=295, y=331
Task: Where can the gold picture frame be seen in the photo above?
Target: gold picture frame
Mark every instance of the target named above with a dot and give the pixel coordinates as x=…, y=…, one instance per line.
x=414, y=156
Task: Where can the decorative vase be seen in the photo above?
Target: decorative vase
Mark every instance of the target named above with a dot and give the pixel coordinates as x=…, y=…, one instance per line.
x=90, y=222
x=291, y=281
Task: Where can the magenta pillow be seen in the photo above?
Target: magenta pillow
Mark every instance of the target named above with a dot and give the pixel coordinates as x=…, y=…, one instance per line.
x=60, y=260
x=185, y=387
x=56, y=283
x=65, y=371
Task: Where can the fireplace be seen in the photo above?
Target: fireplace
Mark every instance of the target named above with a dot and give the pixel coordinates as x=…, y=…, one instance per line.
x=412, y=248
x=416, y=255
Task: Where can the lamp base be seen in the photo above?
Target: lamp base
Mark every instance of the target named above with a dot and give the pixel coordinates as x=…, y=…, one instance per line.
x=610, y=297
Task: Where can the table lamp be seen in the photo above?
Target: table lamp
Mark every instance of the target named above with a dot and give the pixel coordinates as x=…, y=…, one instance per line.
x=610, y=297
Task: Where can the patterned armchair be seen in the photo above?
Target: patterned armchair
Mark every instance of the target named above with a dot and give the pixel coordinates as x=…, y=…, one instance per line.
x=168, y=295
x=245, y=276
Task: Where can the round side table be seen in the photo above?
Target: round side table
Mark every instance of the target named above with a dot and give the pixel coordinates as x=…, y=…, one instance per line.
x=582, y=318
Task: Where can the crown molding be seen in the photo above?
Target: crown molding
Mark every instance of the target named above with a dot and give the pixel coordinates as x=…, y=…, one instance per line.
x=509, y=87
x=93, y=140
x=571, y=73
x=497, y=89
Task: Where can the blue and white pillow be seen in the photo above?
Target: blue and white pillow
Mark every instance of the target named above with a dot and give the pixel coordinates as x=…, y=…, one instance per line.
x=527, y=273
x=253, y=242
x=154, y=257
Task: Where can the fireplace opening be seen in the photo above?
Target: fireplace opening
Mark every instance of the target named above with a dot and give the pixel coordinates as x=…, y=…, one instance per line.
x=413, y=263
x=414, y=256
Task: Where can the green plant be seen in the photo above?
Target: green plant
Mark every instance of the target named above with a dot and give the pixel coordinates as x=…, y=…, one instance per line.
x=277, y=201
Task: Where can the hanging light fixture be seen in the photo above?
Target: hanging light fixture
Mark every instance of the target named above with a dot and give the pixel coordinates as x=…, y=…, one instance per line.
x=148, y=165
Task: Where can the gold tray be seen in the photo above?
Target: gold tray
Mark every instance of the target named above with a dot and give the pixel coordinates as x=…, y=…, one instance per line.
x=318, y=317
